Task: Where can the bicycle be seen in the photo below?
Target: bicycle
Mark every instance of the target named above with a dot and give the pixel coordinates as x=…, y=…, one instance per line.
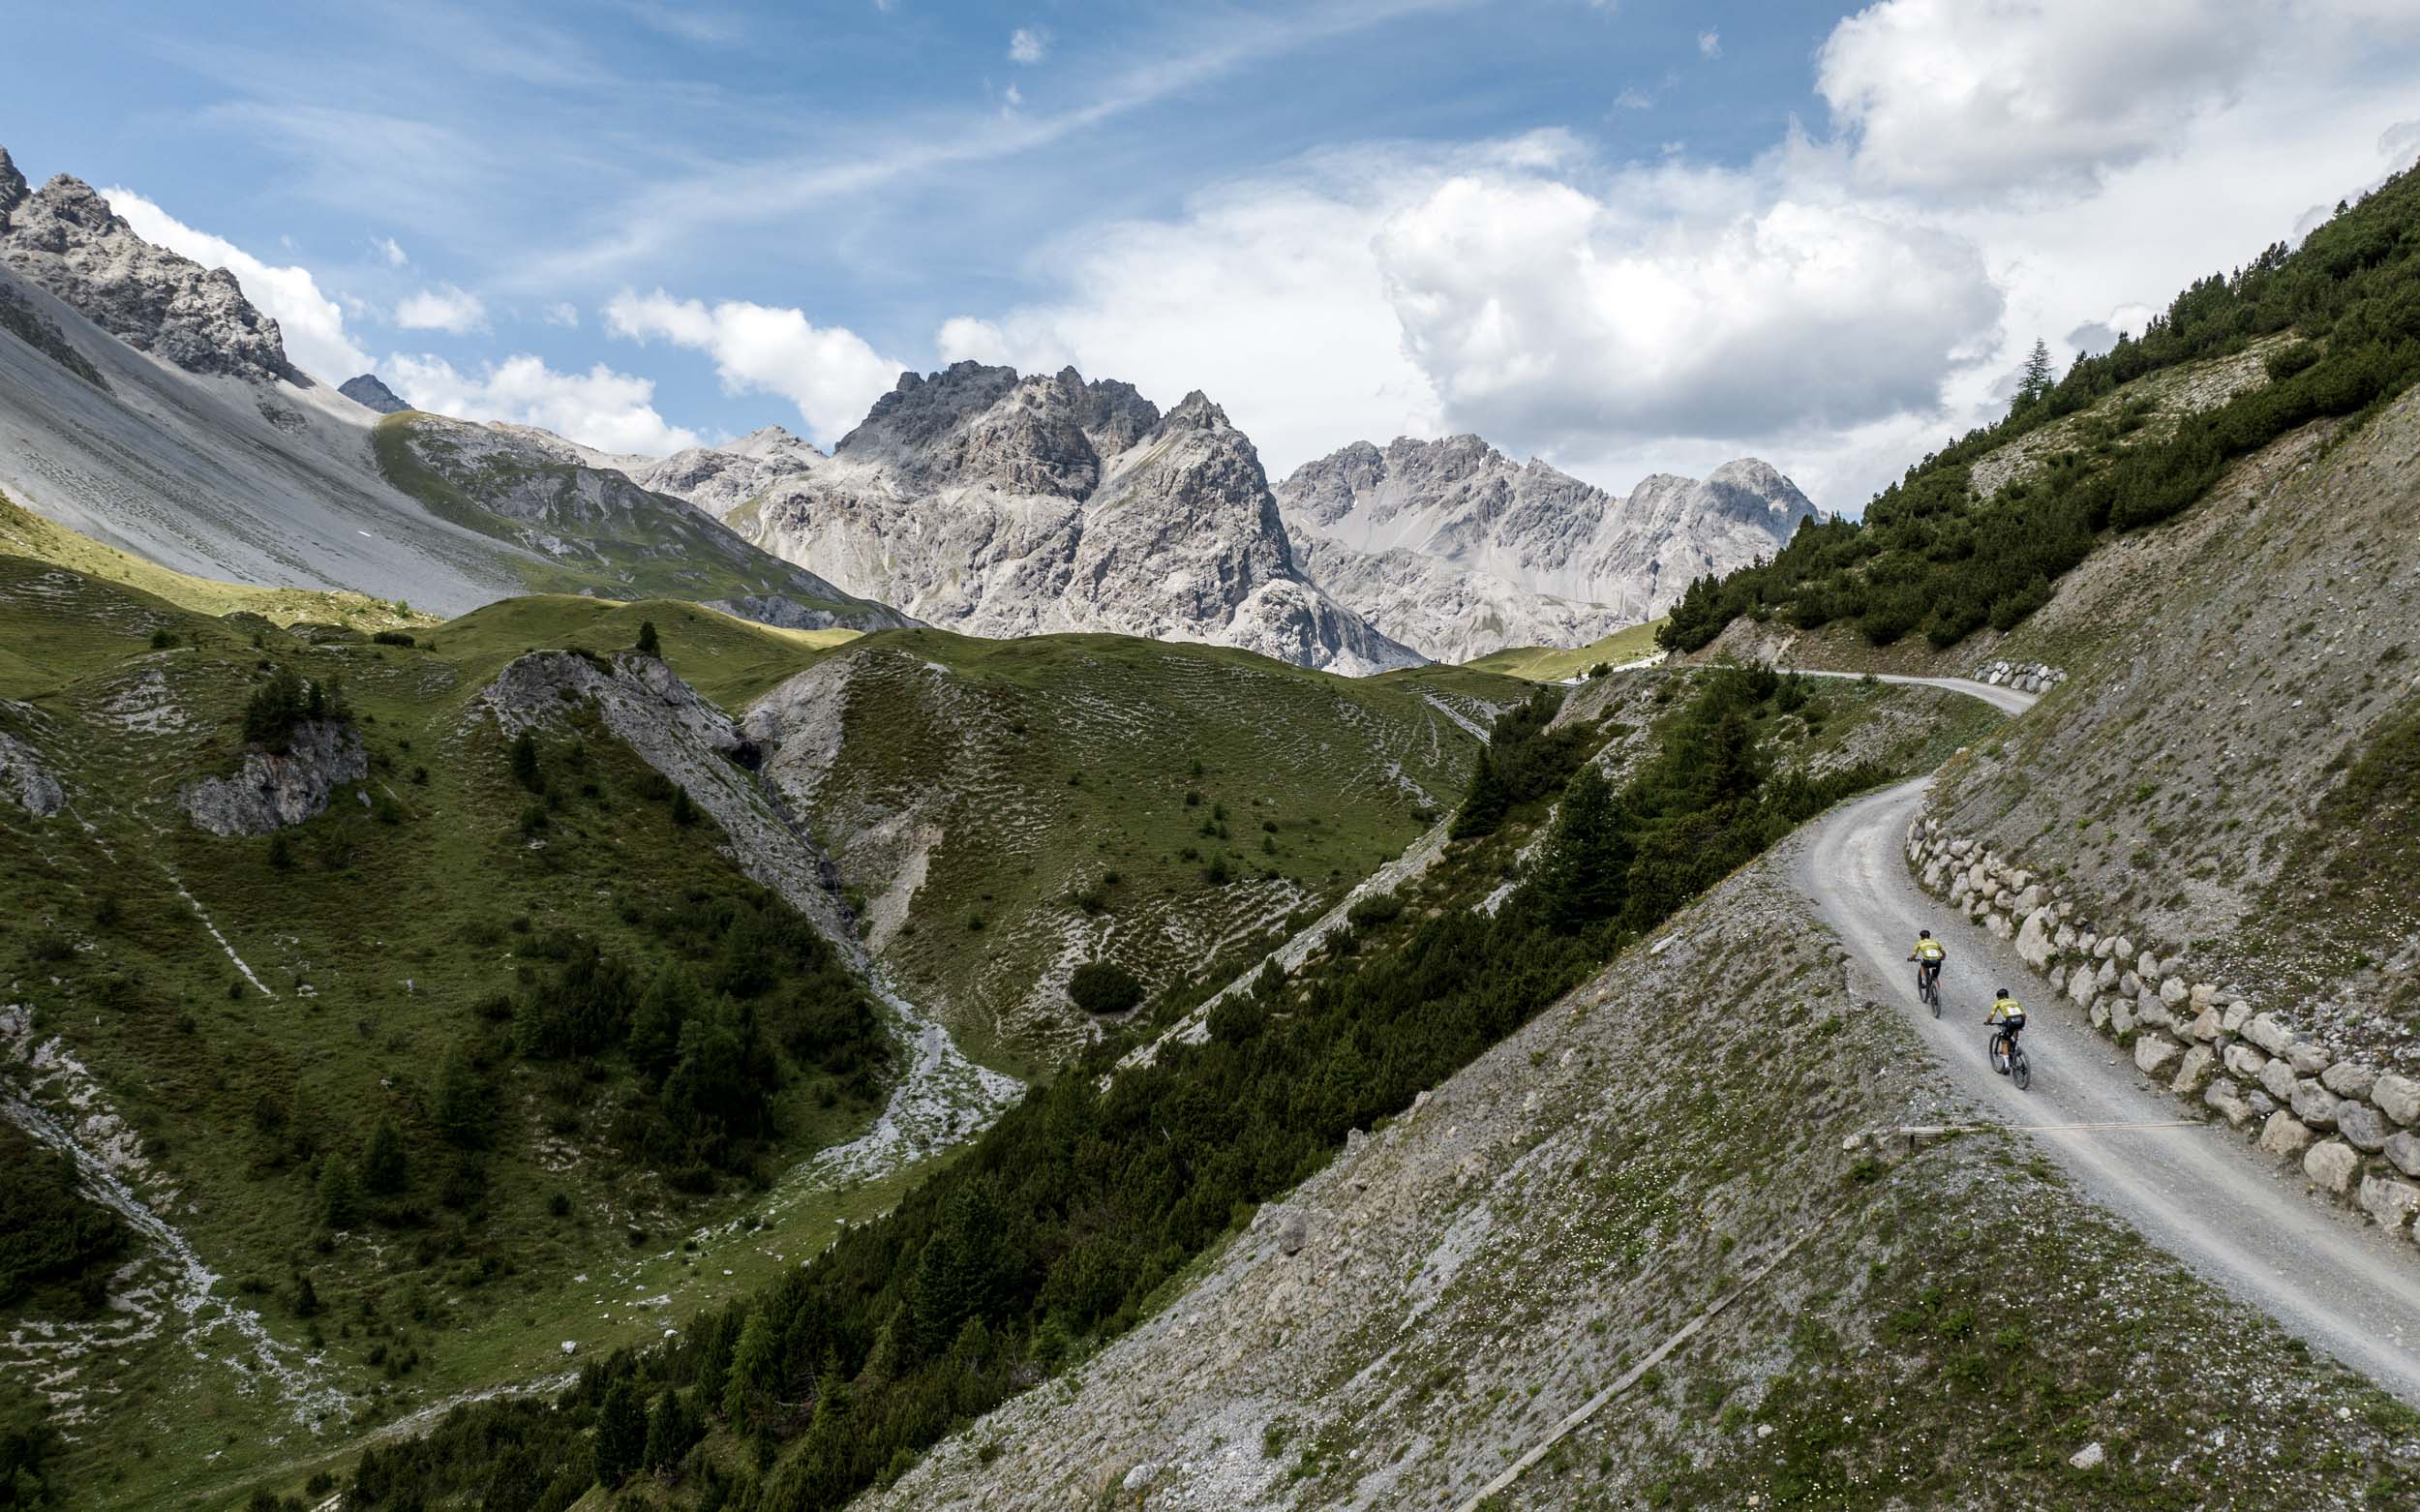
x=2006, y=1051
x=1928, y=985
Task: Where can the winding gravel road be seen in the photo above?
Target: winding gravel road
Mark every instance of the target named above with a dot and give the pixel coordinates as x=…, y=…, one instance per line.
x=2196, y=1192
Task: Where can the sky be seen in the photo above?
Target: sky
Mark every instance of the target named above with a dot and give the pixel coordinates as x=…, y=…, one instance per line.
x=1625, y=236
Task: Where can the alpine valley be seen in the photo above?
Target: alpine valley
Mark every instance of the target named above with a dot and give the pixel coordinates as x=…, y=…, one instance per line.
x=1014, y=963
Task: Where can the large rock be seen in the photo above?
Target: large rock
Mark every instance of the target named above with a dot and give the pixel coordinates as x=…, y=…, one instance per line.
x=2331, y=1165
x=2278, y=1079
x=2404, y=1149
x=2190, y=1072
x=2350, y=1079
x=2154, y=1053
x=2398, y=1097
x=2362, y=1126
x=274, y=790
x=2315, y=1105
x=2228, y=1099
x=2284, y=1135
x=24, y=778
x=2390, y=1201
x=2242, y=1060
x=2309, y=1059
x=2174, y=992
x=2270, y=1032
x=2205, y=1027
x=2238, y=1014
x=2082, y=987
x=2033, y=940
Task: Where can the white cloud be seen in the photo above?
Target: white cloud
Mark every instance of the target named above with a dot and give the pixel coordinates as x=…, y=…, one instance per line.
x=609, y=411
x=1710, y=44
x=311, y=322
x=1028, y=44
x=1633, y=100
x=563, y=312
x=831, y=374
x=1950, y=95
x=445, y=308
x=389, y=250
x=1011, y=96
x=1677, y=304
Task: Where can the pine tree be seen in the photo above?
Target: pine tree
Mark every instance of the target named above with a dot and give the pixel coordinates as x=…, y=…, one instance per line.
x=672, y=1425
x=2033, y=386
x=683, y=812
x=339, y=1200
x=1484, y=805
x=648, y=645
x=671, y=998
x=384, y=1168
x=461, y=1111
x=1580, y=879
x=524, y=763
x=755, y=1382
x=621, y=1435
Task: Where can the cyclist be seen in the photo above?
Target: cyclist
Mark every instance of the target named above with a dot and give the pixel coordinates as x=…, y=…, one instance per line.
x=1928, y=956
x=2007, y=1021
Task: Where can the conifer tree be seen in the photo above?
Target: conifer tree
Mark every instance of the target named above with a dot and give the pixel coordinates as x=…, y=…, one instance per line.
x=755, y=1382
x=383, y=1168
x=2034, y=384
x=648, y=644
x=621, y=1434
x=524, y=763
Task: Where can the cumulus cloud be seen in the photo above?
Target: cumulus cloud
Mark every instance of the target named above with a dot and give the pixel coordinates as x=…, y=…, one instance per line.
x=1710, y=44
x=1952, y=96
x=609, y=411
x=1028, y=44
x=830, y=372
x=443, y=308
x=311, y=323
x=1677, y=304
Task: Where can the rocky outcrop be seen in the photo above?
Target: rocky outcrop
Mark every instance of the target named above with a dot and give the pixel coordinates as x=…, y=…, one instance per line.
x=371, y=393
x=22, y=775
x=568, y=504
x=1528, y=529
x=1000, y=504
x=66, y=238
x=277, y=790
x=2026, y=677
x=2291, y=1094
x=1445, y=612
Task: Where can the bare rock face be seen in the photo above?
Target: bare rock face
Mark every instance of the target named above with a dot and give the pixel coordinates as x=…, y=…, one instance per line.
x=275, y=791
x=372, y=393
x=23, y=776
x=1523, y=552
x=66, y=238
x=993, y=504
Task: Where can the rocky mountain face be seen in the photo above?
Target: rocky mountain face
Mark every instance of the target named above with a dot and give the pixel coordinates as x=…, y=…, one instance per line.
x=1457, y=550
x=1000, y=504
x=66, y=238
x=372, y=393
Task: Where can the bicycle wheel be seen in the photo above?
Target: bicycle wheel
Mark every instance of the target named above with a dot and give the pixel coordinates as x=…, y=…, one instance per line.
x=1932, y=996
x=2018, y=1071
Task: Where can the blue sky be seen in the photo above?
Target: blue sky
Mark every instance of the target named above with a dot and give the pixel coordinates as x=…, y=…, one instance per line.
x=1627, y=237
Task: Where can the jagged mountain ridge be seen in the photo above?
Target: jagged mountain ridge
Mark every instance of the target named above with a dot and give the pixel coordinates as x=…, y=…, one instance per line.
x=1457, y=549
x=998, y=505
x=371, y=392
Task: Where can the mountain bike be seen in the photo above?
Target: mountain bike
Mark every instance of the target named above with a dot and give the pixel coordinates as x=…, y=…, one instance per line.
x=2009, y=1053
x=1928, y=986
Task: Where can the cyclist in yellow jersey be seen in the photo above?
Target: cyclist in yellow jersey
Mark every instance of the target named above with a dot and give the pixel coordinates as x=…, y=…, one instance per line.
x=1928, y=956
x=2007, y=1021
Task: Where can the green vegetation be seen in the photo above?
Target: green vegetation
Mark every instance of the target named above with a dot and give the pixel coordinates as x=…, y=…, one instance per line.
x=1561, y=664
x=1930, y=556
x=730, y=661
x=50, y=1234
x=1103, y=987
x=1060, y=1225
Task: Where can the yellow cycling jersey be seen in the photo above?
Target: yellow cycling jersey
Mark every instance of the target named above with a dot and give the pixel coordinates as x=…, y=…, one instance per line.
x=2007, y=1008
x=1928, y=949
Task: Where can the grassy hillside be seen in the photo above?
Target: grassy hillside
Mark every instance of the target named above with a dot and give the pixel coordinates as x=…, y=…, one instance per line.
x=600, y=531
x=729, y=660
x=24, y=534
x=1978, y=533
x=386, y=1074
x=1561, y=663
x=1071, y=1221
x=1009, y=811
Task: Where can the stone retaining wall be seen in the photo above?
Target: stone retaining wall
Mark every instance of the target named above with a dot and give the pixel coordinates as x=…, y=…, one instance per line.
x=2351, y=1123
x=2026, y=677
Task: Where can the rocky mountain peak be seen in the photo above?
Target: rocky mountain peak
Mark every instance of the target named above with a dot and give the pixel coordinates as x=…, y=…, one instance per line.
x=67, y=239
x=370, y=392
x=12, y=188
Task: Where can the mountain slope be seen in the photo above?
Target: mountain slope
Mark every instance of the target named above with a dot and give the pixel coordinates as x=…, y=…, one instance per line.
x=998, y=505
x=1011, y=811
x=1463, y=552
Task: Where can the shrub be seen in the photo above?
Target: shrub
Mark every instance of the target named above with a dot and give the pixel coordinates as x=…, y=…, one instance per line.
x=393, y=638
x=162, y=640
x=1103, y=987
x=649, y=645
x=1370, y=912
